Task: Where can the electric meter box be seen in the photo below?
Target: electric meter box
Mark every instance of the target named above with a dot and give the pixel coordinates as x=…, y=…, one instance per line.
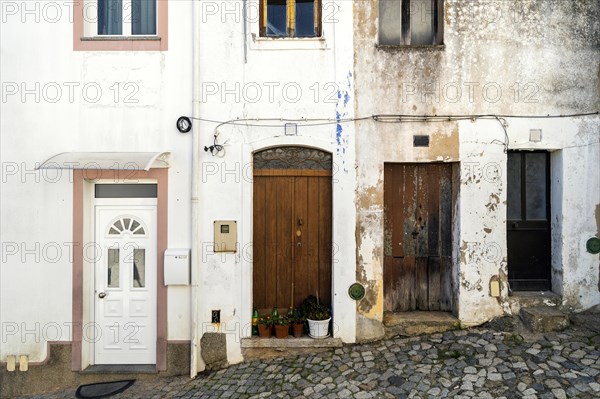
x=177, y=267
x=225, y=235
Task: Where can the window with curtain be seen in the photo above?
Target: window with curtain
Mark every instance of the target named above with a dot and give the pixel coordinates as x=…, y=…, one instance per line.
x=126, y=17
x=411, y=22
x=290, y=18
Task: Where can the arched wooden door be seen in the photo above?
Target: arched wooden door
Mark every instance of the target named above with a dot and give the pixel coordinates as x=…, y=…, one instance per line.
x=292, y=238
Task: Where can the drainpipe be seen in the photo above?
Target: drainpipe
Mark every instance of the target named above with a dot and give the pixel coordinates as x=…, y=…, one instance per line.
x=245, y=28
x=197, y=364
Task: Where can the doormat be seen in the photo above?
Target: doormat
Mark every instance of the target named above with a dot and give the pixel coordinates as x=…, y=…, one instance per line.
x=102, y=389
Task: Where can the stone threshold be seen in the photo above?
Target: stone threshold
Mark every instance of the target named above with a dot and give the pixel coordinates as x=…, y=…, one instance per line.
x=419, y=322
x=291, y=342
x=120, y=369
x=535, y=295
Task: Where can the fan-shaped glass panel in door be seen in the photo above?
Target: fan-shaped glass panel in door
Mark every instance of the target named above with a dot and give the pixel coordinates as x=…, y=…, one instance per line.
x=126, y=225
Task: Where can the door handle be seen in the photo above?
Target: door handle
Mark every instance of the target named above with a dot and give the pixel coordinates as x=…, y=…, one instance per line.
x=101, y=295
x=299, y=243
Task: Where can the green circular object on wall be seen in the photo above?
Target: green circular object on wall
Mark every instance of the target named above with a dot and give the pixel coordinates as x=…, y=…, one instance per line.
x=356, y=291
x=593, y=245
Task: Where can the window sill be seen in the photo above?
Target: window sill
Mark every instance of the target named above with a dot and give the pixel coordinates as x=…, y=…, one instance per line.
x=288, y=43
x=121, y=43
x=119, y=38
x=428, y=47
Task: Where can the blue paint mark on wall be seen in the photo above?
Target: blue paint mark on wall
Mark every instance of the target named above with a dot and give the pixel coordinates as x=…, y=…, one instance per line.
x=338, y=129
x=341, y=137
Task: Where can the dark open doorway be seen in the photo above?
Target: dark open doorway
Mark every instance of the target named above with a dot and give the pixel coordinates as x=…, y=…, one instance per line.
x=528, y=220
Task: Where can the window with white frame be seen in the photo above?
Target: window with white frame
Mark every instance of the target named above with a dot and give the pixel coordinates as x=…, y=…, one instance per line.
x=411, y=22
x=121, y=17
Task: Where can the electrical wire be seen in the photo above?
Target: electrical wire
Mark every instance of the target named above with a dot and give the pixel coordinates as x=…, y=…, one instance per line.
x=238, y=122
x=380, y=118
x=384, y=118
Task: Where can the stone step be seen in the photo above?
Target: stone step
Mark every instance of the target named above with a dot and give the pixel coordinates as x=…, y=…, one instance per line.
x=417, y=323
x=589, y=318
x=291, y=342
x=528, y=299
x=544, y=319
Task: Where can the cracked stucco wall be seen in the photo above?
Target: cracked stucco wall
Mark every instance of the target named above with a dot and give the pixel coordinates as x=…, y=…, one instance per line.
x=509, y=57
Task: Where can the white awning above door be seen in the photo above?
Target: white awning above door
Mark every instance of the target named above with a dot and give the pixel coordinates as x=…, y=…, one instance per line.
x=107, y=160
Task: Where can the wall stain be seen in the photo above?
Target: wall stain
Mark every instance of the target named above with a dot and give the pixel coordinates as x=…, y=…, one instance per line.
x=371, y=290
x=445, y=146
x=471, y=284
x=463, y=253
x=371, y=196
x=494, y=202
x=597, y=214
x=598, y=85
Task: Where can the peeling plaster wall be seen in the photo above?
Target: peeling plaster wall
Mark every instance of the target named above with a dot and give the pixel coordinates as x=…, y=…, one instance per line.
x=482, y=237
x=579, y=219
x=508, y=57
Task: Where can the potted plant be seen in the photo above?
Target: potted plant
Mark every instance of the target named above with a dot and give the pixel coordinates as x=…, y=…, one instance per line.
x=265, y=325
x=282, y=327
x=318, y=317
x=298, y=324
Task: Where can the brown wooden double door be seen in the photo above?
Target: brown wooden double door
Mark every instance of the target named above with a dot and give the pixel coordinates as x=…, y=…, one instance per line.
x=292, y=237
x=417, y=237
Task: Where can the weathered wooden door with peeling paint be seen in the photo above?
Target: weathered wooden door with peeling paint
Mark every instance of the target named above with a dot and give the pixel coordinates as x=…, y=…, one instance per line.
x=292, y=237
x=417, y=237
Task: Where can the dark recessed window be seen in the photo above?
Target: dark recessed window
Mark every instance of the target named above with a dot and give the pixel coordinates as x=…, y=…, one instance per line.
x=125, y=191
x=411, y=22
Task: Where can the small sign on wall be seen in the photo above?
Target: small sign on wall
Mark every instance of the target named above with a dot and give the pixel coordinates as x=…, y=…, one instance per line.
x=420, y=140
x=225, y=235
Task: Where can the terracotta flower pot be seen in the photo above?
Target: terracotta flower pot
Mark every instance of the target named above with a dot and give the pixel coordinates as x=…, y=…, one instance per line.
x=264, y=331
x=282, y=331
x=298, y=329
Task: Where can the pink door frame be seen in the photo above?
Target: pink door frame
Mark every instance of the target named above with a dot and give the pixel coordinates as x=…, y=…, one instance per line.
x=79, y=176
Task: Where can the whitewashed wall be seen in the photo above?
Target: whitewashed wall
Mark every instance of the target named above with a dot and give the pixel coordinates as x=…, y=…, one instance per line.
x=36, y=209
x=282, y=78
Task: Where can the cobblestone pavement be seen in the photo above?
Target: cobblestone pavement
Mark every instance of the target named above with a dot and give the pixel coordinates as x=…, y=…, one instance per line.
x=476, y=363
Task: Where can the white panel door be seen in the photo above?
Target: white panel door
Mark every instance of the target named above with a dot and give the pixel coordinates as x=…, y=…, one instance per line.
x=125, y=284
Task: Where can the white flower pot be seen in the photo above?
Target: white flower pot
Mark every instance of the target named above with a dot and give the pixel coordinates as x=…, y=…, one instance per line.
x=318, y=328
